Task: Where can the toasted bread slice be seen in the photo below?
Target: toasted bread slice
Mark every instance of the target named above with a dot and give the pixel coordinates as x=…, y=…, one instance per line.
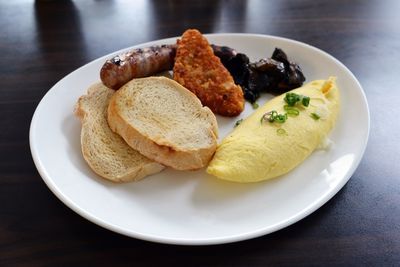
x=107, y=153
x=199, y=70
x=165, y=122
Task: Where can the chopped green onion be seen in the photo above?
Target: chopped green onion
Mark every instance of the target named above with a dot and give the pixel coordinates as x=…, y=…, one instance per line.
x=305, y=101
x=255, y=105
x=315, y=116
x=292, y=99
x=274, y=116
x=281, y=131
x=291, y=110
x=269, y=116
x=238, y=122
x=281, y=118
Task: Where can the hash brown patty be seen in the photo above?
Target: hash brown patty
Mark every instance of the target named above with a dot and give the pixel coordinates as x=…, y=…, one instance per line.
x=199, y=70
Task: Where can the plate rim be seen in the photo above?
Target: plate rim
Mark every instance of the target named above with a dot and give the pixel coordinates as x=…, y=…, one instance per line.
x=306, y=211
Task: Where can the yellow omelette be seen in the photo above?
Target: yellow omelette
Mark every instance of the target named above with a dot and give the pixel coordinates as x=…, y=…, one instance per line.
x=259, y=149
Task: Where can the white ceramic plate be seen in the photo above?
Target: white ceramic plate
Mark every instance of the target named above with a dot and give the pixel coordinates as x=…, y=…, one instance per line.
x=192, y=207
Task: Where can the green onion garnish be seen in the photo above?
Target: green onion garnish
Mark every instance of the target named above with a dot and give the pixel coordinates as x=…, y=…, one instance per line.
x=269, y=116
x=274, y=116
x=237, y=123
x=292, y=98
x=281, y=118
x=291, y=110
x=315, y=116
x=305, y=101
x=254, y=105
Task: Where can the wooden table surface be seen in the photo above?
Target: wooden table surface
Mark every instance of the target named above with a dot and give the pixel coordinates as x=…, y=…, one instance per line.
x=42, y=41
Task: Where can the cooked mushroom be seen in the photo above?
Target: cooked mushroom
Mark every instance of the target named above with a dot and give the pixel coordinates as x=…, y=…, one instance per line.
x=274, y=75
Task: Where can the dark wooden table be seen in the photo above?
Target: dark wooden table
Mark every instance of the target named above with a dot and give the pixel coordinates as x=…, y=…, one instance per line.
x=42, y=41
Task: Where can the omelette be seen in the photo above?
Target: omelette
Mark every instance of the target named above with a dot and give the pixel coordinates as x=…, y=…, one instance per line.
x=278, y=136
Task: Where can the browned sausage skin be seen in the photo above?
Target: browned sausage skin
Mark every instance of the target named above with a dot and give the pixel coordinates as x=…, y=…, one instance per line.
x=137, y=63
x=143, y=62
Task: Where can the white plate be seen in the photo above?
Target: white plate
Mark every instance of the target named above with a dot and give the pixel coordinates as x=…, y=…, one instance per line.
x=192, y=207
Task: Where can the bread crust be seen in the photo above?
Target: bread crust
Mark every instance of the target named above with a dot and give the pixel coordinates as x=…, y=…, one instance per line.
x=158, y=149
x=91, y=109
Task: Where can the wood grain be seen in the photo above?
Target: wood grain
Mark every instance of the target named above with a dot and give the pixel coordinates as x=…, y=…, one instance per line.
x=42, y=41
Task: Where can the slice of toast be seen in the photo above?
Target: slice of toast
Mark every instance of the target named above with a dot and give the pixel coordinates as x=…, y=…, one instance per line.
x=165, y=122
x=107, y=153
x=199, y=70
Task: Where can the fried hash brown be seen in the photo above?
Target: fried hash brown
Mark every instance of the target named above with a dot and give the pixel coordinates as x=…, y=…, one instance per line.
x=199, y=70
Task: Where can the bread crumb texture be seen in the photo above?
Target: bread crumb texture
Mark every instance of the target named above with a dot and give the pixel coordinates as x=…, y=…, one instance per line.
x=105, y=151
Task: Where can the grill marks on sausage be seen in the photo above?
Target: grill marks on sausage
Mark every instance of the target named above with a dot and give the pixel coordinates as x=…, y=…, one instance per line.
x=140, y=62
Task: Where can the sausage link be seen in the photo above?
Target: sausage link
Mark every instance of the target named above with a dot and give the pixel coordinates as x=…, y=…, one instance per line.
x=140, y=62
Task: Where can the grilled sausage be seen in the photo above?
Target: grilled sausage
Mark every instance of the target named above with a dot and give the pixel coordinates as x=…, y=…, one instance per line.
x=140, y=62
x=143, y=62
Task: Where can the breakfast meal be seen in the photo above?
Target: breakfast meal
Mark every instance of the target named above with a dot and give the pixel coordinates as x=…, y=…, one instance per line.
x=165, y=122
x=274, y=75
x=199, y=70
x=105, y=151
x=279, y=135
x=135, y=123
